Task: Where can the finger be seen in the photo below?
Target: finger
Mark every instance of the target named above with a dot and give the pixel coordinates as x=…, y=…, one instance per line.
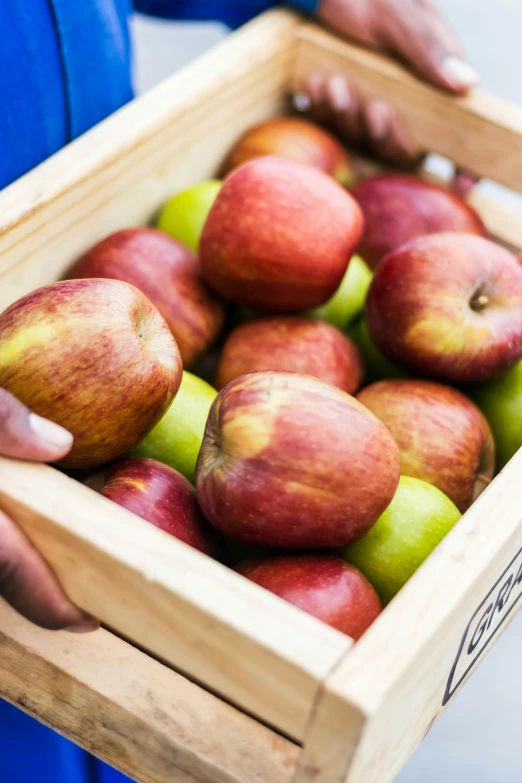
x=463, y=182
x=334, y=102
x=387, y=136
x=315, y=89
x=29, y=586
x=24, y=435
x=345, y=104
x=417, y=32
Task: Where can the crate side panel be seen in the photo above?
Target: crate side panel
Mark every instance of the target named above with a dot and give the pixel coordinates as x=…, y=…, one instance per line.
x=241, y=641
x=131, y=711
x=421, y=650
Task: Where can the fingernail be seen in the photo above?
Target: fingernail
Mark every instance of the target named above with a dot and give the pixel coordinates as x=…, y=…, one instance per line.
x=340, y=96
x=50, y=432
x=301, y=101
x=460, y=73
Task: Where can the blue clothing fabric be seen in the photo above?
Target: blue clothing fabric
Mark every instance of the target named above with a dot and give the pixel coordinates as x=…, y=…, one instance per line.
x=64, y=66
x=95, y=49
x=32, y=753
x=32, y=94
x=231, y=12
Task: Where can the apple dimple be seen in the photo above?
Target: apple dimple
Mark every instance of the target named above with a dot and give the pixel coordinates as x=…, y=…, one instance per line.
x=480, y=300
x=153, y=332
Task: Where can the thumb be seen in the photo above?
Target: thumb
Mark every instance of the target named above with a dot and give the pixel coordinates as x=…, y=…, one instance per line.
x=416, y=31
x=24, y=435
x=28, y=584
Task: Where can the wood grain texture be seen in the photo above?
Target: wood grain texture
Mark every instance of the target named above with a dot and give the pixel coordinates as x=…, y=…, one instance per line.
x=379, y=702
x=132, y=712
x=122, y=171
x=239, y=640
x=480, y=132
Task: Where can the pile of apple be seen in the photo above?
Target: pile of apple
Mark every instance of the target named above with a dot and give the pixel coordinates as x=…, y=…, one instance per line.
x=329, y=500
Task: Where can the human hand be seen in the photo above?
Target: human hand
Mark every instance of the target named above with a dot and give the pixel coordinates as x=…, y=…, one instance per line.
x=26, y=581
x=411, y=29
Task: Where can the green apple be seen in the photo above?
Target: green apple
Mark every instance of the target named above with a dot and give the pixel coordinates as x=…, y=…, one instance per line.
x=415, y=522
x=378, y=367
x=348, y=301
x=501, y=403
x=176, y=439
x=184, y=216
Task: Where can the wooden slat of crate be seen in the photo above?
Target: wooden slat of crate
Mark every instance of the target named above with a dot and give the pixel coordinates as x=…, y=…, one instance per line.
x=379, y=702
x=133, y=712
x=238, y=639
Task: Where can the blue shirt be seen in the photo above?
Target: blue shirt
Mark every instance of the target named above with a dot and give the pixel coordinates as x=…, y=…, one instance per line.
x=65, y=65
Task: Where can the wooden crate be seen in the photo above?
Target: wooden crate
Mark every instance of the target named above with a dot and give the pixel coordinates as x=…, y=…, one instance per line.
x=237, y=686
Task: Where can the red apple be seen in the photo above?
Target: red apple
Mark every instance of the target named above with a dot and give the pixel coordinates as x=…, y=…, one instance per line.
x=288, y=461
x=398, y=208
x=279, y=236
x=158, y=494
x=448, y=306
x=291, y=344
x=443, y=438
x=168, y=273
x=322, y=585
x=94, y=356
x=298, y=139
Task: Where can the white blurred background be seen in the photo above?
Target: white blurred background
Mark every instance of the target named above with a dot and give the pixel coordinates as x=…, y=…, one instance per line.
x=479, y=737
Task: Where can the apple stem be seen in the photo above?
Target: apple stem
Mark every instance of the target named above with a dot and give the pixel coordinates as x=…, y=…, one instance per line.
x=479, y=302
